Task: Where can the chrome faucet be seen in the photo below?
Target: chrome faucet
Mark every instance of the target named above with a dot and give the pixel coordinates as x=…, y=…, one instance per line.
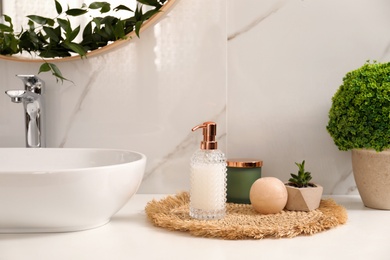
x=33, y=104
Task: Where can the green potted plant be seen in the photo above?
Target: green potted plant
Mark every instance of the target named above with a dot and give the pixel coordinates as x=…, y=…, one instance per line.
x=303, y=195
x=359, y=120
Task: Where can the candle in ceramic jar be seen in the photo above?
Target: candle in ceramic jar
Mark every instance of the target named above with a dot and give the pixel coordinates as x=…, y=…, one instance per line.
x=241, y=174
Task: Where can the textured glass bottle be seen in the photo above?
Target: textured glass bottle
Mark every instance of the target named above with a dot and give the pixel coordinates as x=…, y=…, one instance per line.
x=208, y=177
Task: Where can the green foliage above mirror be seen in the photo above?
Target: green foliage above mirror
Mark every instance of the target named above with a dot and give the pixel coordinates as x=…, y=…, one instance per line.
x=48, y=38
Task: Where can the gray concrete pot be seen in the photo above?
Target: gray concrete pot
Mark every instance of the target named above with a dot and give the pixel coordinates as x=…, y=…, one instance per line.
x=371, y=170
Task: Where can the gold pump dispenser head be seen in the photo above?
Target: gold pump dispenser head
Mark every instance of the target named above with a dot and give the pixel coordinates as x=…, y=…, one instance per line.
x=209, y=133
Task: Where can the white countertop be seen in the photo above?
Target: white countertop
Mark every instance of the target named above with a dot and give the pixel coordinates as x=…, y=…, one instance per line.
x=129, y=235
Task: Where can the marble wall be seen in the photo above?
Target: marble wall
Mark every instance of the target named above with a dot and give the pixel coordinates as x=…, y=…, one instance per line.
x=264, y=70
x=286, y=59
x=144, y=96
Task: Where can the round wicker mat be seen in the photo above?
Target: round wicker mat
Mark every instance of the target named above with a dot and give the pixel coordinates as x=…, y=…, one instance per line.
x=242, y=221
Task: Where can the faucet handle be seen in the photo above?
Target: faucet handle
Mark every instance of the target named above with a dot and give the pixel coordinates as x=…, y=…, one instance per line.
x=32, y=83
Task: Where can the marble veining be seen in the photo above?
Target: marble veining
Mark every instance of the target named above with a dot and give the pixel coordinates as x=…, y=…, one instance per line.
x=186, y=145
x=77, y=108
x=346, y=185
x=274, y=9
x=174, y=166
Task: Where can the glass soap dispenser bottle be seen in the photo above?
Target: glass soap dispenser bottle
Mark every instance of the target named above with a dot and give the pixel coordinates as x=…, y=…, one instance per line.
x=208, y=177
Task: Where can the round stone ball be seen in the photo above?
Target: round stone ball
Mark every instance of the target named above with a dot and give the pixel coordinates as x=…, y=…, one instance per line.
x=268, y=195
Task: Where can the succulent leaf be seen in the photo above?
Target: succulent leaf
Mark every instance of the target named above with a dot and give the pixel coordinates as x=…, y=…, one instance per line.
x=302, y=179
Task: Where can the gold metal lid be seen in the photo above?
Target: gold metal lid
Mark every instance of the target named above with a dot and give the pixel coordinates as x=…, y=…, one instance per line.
x=244, y=163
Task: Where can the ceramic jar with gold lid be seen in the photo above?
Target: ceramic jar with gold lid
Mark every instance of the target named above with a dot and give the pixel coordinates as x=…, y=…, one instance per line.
x=241, y=174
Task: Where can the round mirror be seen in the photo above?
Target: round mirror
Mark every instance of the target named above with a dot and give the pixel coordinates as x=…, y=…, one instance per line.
x=18, y=10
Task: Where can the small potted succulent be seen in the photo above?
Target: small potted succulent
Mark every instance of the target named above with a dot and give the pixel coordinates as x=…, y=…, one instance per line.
x=303, y=195
x=359, y=120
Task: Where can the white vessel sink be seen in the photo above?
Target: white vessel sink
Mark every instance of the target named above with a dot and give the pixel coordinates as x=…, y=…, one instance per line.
x=65, y=189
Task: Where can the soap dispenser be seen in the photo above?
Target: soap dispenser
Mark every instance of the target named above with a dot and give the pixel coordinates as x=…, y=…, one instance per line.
x=208, y=177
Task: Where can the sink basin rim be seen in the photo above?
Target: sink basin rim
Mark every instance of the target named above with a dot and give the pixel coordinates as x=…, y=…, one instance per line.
x=132, y=156
x=66, y=200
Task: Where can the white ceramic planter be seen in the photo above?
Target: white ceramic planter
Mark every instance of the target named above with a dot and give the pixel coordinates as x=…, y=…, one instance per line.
x=371, y=170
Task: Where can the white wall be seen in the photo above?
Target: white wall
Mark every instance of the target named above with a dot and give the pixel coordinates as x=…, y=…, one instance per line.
x=268, y=87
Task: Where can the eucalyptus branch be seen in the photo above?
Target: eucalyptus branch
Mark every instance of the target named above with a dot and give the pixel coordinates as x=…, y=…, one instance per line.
x=55, y=71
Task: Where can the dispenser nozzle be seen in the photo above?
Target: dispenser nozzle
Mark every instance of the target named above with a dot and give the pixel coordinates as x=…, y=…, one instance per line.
x=209, y=133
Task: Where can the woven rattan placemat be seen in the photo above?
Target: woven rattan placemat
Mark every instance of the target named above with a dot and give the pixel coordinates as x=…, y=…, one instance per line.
x=242, y=221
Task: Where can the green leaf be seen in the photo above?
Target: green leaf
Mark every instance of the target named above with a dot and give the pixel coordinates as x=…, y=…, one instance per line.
x=109, y=20
x=122, y=7
x=41, y=20
x=105, y=9
x=97, y=5
x=8, y=19
x=87, y=30
x=8, y=44
x=103, y=6
x=97, y=21
x=58, y=7
x=14, y=45
x=119, y=30
x=150, y=2
x=33, y=38
x=31, y=25
x=72, y=34
x=52, y=33
x=77, y=48
x=76, y=12
x=25, y=42
x=138, y=28
x=44, y=67
x=55, y=71
x=5, y=28
x=138, y=13
x=65, y=24
x=54, y=53
x=109, y=31
x=149, y=14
